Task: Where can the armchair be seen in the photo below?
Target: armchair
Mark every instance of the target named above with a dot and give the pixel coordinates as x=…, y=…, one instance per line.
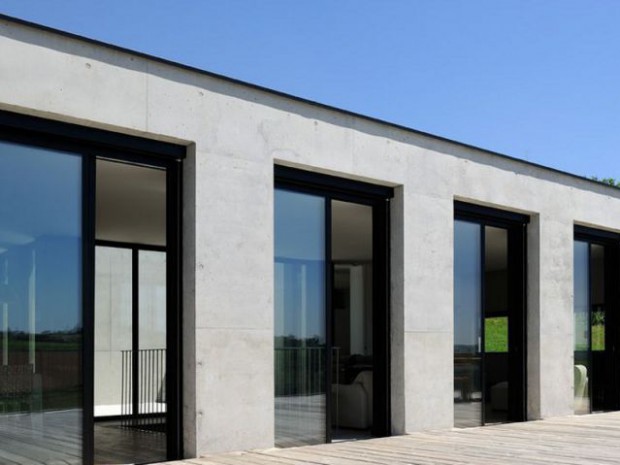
x=352, y=403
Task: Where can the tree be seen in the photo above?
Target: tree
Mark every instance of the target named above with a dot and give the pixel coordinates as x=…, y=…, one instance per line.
x=609, y=181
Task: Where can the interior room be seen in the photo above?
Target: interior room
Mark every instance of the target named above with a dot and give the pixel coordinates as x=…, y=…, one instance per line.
x=352, y=321
x=130, y=314
x=482, y=319
x=496, y=360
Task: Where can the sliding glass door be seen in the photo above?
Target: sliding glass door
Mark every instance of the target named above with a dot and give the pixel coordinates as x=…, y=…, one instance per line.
x=489, y=316
x=300, y=306
x=596, y=301
x=331, y=312
x=467, y=324
x=41, y=277
x=130, y=354
x=61, y=359
x=134, y=316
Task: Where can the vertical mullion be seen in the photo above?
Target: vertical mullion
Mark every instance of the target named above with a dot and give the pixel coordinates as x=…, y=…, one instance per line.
x=328, y=319
x=611, y=319
x=482, y=322
x=174, y=302
x=523, y=394
x=88, y=307
x=611, y=322
x=135, y=334
x=589, y=323
x=381, y=319
x=517, y=323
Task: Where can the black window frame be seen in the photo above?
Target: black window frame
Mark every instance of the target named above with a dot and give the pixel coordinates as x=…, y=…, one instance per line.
x=611, y=242
x=378, y=197
x=516, y=226
x=90, y=144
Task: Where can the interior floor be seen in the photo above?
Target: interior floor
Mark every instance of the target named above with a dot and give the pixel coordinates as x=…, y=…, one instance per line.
x=468, y=414
x=350, y=434
x=24, y=441
x=119, y=444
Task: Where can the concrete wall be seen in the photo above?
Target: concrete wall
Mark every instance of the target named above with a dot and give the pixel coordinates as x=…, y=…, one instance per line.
x=235, y=134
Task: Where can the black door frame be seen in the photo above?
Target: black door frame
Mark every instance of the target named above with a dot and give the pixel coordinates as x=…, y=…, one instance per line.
x=516, y=226
x=333, y=188
x=611, y=358
x=135, y=249
x=89, y=144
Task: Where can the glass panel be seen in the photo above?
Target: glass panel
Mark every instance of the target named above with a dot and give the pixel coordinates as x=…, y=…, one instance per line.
x=496, y=321
x=40, y=306
x=130, y=314
x=300, y=400
x=352, y=321
x=113, y=326
x=152, y=338
x=467, y=322
x=600, y=371
x=597, y=281
x=581, y=298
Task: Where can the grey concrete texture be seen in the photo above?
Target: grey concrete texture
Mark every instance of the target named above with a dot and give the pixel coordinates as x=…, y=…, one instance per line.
x=235, y=134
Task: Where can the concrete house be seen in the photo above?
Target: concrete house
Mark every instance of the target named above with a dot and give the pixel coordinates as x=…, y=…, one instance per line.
x=191, y=264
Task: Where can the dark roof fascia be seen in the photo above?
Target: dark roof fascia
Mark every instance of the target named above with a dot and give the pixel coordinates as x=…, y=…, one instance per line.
x=277, y=93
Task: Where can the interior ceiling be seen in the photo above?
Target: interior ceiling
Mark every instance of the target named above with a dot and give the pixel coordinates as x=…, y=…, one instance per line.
x=496, y=248
x=130, y=203
x=351, y=232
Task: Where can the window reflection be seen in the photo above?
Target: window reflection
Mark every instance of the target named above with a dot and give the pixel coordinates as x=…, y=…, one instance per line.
x=40, y=305
x=467, y=324
x=582, y=328
x=300, y=400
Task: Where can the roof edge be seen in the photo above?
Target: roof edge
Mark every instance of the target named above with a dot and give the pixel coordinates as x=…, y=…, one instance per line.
x=303, y=100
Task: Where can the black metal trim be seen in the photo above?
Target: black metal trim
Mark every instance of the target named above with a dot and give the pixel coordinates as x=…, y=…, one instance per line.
x=119, y=418
x=487, y=215
x=129, y=245
x=329, y=315
x=590, y=357
x=18, y=127
x=174, y=306
x=88, y=303
x=135, y=332
x=382, y=411
x=300, y=179
x=517, y=326
x=482, y=337
x=593, y=235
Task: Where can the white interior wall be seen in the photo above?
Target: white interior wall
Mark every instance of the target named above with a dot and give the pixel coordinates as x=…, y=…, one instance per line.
x=235, y=134
x=113, y=300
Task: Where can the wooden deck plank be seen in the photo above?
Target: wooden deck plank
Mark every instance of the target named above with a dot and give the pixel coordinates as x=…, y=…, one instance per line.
x=575, y=440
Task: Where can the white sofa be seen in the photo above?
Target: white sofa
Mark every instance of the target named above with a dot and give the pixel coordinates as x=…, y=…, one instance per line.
x=352, y=403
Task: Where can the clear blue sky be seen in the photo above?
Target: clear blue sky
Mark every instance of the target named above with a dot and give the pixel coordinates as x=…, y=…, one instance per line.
x=535, y=79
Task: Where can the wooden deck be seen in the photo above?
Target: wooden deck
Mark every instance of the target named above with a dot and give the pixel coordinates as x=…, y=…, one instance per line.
x=577, y=440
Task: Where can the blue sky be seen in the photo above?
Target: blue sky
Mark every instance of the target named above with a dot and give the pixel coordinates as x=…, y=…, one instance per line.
x=535, y=79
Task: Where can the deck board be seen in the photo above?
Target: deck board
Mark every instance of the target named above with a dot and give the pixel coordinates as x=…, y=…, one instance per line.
x=574, y=440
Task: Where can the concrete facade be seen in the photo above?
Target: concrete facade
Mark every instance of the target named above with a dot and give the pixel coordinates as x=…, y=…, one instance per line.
x=235, y=134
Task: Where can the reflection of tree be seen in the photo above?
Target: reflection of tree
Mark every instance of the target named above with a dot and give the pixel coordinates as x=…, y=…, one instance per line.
x=66, y=340
x=53, y=362
x=292, y=341
x=465, y=348
x=299, y=365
